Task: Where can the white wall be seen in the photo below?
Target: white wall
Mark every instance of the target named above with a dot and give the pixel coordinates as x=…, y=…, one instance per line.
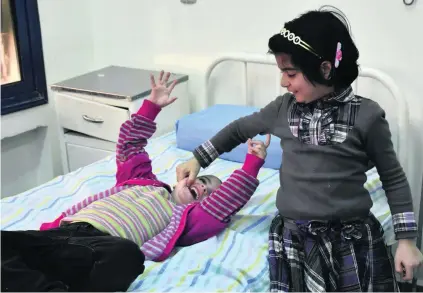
x=30, y=157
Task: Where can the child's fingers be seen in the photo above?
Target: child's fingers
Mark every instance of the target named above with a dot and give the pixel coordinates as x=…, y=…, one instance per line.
x=172, y=85
x=152, y=81
x=266, y=143
x=166, y=77
x=259, y=148
x=259, y=151
x=161, y=77
x=398, y=265
x=251, y=148
x=268, y=139
x=171, y=100
x=408, y=273
x=191, y=179
x=257, y=142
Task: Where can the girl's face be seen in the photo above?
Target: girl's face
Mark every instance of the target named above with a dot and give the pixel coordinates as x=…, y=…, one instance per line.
x=202, y=187
x=296, y=83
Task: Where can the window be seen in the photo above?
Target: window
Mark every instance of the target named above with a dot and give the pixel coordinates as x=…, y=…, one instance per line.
x=23, y=82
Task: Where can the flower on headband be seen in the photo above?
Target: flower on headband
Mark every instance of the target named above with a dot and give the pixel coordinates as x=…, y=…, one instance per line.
x=338, y=55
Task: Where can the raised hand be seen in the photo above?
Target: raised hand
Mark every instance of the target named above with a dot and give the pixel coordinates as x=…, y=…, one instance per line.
x=160, y=94
x=259, y=148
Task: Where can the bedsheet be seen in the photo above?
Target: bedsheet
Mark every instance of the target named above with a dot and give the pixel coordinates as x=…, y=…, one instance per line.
x=235, y=260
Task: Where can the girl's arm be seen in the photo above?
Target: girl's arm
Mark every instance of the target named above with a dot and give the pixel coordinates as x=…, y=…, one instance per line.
x=238, y=132
x=131, y=158
x=381, y=152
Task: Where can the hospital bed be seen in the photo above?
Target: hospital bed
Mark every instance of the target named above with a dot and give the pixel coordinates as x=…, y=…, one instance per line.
x=236, y=259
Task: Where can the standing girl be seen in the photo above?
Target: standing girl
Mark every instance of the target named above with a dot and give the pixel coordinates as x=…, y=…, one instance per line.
x=324, y=237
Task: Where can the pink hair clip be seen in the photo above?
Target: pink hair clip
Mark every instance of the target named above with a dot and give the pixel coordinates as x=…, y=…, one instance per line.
x=338, y=56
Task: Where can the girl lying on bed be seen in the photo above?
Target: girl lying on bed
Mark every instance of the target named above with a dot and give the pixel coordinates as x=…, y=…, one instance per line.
x=95, y=244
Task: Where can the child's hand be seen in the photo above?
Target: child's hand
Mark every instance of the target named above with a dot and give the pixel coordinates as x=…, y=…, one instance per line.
x=188, y=169
x=159, y=92
x=407, y=258
x=258, y=148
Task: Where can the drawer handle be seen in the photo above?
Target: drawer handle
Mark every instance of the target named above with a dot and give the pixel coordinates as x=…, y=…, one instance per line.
x=93, y=120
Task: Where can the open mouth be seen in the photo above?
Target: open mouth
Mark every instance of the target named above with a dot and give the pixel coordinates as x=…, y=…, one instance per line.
x=194, y=192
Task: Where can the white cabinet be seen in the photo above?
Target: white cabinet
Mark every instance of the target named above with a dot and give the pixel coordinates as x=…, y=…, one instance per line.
x=82, y=150
x=89, y=124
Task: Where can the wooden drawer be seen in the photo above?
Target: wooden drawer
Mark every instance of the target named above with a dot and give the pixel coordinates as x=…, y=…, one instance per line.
x=95, y=119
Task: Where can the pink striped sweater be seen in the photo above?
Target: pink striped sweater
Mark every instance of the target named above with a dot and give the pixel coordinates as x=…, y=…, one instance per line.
x=190, y=223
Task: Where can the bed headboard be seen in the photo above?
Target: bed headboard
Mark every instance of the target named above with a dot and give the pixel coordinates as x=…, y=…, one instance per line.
x=243, y=67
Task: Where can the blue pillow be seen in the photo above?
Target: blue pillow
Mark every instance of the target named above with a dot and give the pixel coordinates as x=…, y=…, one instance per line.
x=194, y=129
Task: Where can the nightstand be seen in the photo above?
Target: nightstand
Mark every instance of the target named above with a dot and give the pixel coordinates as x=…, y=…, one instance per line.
x=90, y=119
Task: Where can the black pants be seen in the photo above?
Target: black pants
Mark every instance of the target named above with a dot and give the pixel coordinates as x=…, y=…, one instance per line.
x=76, y=257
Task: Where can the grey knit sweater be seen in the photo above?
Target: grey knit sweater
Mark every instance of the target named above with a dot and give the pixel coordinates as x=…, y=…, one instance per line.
x=324, y=182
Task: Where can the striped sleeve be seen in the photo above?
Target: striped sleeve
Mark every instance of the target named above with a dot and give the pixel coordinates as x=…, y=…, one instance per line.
x=135, y=132
x=231, y=196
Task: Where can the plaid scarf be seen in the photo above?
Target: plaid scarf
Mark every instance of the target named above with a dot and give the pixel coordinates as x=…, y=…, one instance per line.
x=326, y=120
x=317, y=256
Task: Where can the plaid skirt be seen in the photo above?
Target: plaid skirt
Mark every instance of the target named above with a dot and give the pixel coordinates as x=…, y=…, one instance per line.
x=316, y=256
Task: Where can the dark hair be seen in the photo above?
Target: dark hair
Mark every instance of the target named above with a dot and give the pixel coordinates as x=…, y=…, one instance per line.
x=322, y=29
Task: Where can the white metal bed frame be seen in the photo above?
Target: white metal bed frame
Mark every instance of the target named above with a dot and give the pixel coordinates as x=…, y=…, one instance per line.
x=387, y=81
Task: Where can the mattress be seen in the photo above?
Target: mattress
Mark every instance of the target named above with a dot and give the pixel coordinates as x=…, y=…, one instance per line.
x=234, y=260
